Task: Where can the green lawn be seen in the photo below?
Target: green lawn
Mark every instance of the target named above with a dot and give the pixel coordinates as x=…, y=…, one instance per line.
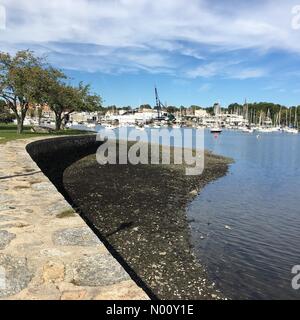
x=8, y=132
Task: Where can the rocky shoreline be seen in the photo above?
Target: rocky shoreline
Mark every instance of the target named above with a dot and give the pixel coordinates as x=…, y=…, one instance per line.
x=140, y=210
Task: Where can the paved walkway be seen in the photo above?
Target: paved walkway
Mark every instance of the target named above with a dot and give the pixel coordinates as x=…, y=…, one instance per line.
x=46, y=249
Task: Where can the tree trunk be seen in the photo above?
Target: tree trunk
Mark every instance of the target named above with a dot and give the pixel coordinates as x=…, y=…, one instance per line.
x=20, y=116
x=20, y=125
x=58, y=121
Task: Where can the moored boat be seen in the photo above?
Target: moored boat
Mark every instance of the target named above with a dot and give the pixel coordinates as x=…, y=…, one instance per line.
x=216, y=130
x=291, y=130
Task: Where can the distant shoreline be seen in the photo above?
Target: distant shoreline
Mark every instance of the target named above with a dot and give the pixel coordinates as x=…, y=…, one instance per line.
x=141, y=211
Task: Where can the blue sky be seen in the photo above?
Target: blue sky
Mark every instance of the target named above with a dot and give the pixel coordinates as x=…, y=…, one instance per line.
x=196, y=51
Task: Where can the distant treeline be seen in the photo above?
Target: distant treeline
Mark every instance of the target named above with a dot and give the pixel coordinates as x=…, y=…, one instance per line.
x=234, y=107
x=254, y=111
x=278, y=113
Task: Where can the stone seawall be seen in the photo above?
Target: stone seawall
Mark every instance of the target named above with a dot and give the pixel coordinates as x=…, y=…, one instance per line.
x=53, y=156
x=47, y=251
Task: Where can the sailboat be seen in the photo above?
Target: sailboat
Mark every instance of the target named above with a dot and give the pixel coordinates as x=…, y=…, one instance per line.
x=248, y=130
x=216, y=128
x=291, y=130
x=288, y=128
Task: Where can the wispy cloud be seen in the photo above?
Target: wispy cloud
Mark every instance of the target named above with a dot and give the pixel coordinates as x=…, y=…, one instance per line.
x=205, y=70
x=150, y=35
x=230, y=69
x=248, y=74
x=2, y=17
x=205, y=87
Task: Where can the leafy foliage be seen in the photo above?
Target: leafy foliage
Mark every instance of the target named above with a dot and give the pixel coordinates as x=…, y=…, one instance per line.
x=26, y=80
x=19, y=82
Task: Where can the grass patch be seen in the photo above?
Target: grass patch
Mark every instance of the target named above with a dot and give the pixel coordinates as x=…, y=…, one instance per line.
x=8, y=132
x=66, y=214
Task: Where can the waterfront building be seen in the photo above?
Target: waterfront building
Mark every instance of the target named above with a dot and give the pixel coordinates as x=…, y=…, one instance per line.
x=84, y=117
x=217, y=109
x=201, y=113
x=132, y=117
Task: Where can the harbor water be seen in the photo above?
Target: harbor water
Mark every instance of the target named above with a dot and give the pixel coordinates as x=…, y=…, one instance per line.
x=246, y=225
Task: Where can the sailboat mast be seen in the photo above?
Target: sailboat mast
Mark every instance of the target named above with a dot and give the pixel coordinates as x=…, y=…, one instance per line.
x=279, y=117
x=157, y=103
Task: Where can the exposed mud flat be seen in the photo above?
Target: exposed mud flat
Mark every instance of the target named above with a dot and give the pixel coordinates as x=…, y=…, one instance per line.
x=141, y=211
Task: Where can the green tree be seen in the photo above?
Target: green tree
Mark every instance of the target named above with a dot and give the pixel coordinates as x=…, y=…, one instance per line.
x=63, y=99
x=172, y=109
x=112, y=108
x=20, y=79
x=195, y=107
x=2, y=106
x=145, y=106
x=5, y=115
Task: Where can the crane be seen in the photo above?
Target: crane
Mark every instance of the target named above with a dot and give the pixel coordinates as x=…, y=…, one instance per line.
x=159, y=104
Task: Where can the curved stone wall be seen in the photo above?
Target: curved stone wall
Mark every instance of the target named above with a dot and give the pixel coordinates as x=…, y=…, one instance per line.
x=53, y=156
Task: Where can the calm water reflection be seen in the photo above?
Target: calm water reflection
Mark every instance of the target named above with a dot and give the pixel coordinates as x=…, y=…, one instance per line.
x=259, y=201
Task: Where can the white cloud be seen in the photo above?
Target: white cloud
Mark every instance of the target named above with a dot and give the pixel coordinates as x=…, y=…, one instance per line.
x=2, y=17
x=230, y=69
x=143, y=34
x=247, y=74
x=205, y=70
x=205, y=87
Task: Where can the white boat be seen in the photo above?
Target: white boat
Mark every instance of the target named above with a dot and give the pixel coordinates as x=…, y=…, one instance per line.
x=247, y=130
x=176, y=126
x=139, y=128
x=265, y=130
x=215, y=130
x=291, y=130
x=276, y=129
